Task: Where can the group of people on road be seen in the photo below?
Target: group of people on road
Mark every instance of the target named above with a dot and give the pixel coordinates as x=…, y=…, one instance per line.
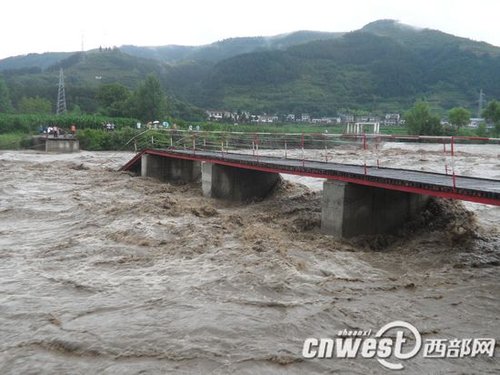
x=56, y=131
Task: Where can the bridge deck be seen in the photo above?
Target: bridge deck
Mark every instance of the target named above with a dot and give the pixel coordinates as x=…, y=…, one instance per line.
x=465, y=188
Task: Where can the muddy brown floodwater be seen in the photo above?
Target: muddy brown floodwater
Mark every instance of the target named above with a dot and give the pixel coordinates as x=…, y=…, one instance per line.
x=103, y=272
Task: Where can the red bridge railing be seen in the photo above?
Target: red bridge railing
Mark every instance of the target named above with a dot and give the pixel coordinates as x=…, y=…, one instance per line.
x=450, y=155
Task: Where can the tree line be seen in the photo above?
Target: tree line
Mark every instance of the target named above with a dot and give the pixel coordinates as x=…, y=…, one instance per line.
x=148, y=102
x=421, y=121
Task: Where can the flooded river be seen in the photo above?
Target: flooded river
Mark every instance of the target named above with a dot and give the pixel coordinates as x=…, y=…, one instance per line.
x=103, y=272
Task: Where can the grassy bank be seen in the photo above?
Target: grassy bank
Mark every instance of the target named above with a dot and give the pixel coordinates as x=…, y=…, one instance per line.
x=274, y=128
x=30, y=124
x=13, y=141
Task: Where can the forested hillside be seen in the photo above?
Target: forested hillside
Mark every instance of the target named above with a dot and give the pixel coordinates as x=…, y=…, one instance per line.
x=385, y=66
x=361, y=70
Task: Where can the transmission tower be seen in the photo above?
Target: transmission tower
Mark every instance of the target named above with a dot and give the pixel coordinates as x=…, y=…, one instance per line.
x=480, y=103
x=61, y=94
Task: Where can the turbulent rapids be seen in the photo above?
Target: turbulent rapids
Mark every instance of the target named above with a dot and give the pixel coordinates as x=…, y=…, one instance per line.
x=104, y=272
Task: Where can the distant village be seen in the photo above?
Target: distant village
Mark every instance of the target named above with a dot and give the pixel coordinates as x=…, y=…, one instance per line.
x=389, y=119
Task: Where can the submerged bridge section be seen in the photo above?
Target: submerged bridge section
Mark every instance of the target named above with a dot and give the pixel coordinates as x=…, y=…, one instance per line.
x=356, y=199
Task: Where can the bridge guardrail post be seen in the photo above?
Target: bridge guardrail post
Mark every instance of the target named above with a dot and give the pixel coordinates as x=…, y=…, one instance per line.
x=377, y=150
x=326, y=147
x=257, y=146
x=444, y=156
x=453, y=161
x=302, y=146
x=364, y=152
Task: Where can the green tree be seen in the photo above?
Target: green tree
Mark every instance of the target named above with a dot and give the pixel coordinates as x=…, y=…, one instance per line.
x=492, y=113
x=5, y=103
x=481, y=130
x=113, y=98
x=420, y=120
x=148, y=102
x=34, y=105
x=76, y=110
x=458, y=117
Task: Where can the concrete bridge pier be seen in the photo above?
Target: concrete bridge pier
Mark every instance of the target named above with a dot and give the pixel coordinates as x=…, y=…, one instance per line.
x=236, y=184
x=349, y=209
x=170, y=169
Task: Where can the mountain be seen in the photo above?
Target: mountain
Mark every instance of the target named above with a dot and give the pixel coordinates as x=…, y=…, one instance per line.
x=84, y=73
x=174, y=54
x=226, y=48
x=385, y=66
x=426, y=38
x=33, y=61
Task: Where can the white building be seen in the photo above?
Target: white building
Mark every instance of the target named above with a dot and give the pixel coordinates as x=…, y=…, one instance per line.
x=267, y=119
x=216, y=115
x=475, y=121
x=392, y=119
x=326, y=120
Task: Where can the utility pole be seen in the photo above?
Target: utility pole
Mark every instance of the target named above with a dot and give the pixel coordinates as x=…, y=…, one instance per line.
x=61, y=95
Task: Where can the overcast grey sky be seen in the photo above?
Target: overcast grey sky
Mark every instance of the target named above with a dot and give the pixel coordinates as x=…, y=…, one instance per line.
x=56, y=25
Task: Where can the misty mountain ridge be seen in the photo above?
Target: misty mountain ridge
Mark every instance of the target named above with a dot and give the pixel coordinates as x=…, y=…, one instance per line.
x=178, y=53
x=229, y=47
